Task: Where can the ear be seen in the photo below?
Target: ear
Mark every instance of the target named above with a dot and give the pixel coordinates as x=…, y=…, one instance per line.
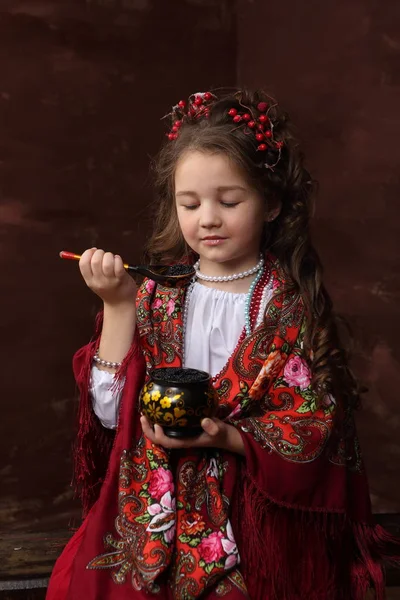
x=273, y=211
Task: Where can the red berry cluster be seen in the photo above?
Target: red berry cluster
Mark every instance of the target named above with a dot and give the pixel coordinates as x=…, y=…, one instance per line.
x=260, y=126
x=198, y=106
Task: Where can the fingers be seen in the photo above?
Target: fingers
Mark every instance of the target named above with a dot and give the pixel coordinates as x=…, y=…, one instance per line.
x=161, y=438
x=108, y=265
x=211, y=427
x=105, y=264
x=85, y=261
x=106, y=276
x=95, y=263
x=119, y=268
x=157, y=436
x=146, y=428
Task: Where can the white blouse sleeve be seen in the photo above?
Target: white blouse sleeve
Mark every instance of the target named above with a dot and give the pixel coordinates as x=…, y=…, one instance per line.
x=105, y=401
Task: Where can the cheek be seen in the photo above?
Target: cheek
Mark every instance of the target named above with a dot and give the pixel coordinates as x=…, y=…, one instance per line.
x=248, y=219
x=186, y=222
x=251, y=225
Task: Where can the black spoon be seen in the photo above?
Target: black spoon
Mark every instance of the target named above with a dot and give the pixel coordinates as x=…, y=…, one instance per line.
x=169, y=276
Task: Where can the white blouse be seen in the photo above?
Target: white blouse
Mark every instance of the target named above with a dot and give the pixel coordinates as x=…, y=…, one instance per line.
x=215, y=321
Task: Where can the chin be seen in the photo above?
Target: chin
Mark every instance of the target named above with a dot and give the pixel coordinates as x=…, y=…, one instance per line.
x=219, y=259
x=215, y=254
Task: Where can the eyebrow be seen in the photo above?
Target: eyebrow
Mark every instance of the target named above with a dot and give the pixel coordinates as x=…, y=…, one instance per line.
x=221, y=188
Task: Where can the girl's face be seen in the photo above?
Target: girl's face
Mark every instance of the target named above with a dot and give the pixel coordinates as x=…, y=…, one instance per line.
x=220, y=215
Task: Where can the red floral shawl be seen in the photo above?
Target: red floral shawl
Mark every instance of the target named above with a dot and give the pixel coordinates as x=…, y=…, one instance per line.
x=290, y=520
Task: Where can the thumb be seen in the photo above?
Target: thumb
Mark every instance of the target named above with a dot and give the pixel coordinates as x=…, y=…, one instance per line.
x=212, y=426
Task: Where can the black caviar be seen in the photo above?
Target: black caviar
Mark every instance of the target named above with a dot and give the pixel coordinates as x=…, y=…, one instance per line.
x=179, y=375
x=179, y=269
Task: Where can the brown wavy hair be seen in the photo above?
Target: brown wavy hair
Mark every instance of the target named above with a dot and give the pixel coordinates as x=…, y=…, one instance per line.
x=287, y=237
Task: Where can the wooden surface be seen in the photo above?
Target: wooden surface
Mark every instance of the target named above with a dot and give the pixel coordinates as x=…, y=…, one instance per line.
x=26, y=561
x=26, y=556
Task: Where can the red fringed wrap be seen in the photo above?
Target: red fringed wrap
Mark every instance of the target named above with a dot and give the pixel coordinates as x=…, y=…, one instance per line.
x=94, y=442
x=289, y=521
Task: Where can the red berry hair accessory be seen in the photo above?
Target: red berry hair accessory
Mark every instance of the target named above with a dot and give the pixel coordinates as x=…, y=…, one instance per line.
x=255, y=121
x=260, y=126
x=197, y=106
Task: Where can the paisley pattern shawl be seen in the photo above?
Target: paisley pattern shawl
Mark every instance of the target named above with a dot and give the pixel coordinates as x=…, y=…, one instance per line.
x=173, y=519
x=183, y=522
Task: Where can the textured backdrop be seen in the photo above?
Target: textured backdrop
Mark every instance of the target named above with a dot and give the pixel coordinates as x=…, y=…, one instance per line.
x=335, y=66
x=83, y=86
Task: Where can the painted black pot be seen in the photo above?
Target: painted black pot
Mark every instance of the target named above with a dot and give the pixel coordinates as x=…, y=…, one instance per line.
x=178, y=399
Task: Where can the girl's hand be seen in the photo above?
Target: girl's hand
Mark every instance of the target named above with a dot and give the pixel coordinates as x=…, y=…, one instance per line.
x=105, y=275
x=217, y=434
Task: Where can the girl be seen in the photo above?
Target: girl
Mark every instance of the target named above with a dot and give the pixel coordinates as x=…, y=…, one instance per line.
x=271, y=501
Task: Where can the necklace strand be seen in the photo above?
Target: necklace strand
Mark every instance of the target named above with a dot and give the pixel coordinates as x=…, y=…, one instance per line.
x=249, y=298
x=233, y=277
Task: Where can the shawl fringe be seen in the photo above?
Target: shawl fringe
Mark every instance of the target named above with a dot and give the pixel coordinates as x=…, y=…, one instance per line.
x=94, y=443
x=305, y=555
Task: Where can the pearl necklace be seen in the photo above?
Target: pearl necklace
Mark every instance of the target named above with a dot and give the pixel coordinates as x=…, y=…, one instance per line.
x=233, y=277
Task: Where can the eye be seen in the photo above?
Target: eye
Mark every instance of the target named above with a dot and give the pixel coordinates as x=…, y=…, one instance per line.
x=229, y=204
x=190, y=206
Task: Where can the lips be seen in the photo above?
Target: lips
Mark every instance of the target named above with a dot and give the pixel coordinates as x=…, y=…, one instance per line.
x=213, y=240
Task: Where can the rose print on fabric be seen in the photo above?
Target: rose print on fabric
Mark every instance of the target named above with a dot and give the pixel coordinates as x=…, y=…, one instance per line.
x=161, y=482
x=297, y=373
x=210, y=548
x=170, y=307
x=164, y=309
x=157, y=303
x=150, y=285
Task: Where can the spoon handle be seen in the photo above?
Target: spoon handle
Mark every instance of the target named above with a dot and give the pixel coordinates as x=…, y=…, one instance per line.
x=71, y=256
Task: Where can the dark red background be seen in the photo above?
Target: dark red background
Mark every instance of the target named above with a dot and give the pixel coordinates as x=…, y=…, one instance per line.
x=83, y=86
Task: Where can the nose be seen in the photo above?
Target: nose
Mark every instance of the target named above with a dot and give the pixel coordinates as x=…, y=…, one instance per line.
x=209, y=216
